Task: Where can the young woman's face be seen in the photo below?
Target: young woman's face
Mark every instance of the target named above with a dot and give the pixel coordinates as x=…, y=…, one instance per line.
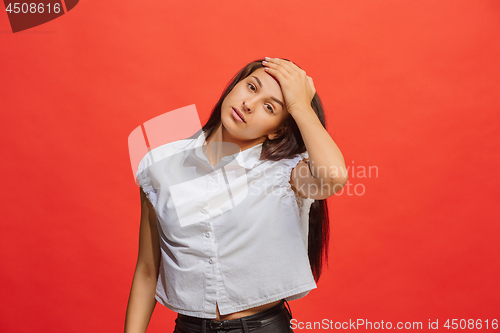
x=259, y=98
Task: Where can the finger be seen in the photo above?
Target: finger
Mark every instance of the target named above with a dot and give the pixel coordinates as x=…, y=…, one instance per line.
x=275, y=63
x=291, y=67
x=276, y=73
x=311, y=83
x=311, y=86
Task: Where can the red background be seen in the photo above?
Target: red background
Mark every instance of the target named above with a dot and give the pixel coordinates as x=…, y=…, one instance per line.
x=410, y=88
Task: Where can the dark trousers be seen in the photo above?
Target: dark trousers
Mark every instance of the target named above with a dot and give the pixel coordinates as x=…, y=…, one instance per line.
x=276, y=319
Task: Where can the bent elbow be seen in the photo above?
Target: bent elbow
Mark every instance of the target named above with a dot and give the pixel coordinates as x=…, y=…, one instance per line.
x=335, y=185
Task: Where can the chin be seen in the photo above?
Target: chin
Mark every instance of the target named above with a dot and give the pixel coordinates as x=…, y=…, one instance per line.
x=227, y=119
x=231, y=128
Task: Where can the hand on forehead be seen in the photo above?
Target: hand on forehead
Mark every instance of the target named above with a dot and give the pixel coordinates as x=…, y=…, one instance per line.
x=274, y=78
x=263, y=74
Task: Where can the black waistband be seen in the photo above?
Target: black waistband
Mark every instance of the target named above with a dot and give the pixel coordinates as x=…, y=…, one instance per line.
x=255, y=320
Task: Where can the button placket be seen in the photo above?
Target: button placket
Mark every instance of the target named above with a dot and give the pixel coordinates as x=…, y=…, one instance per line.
x=210, y=187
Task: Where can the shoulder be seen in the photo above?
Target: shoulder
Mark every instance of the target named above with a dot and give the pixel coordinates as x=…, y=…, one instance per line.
x=164, y=151
x=286, y=167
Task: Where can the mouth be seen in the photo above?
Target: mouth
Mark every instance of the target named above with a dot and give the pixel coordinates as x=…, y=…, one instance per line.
x=239, y=114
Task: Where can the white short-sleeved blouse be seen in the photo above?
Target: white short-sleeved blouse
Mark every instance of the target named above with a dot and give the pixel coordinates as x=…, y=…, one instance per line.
x=235, y=234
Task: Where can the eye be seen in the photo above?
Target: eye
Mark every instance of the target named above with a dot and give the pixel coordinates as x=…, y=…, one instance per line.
x=270, y=107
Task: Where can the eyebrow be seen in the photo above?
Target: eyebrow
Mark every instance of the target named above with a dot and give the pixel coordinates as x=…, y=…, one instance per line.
x=273, y=98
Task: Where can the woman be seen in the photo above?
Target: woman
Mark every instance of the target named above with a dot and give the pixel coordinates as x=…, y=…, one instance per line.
x=234, y=221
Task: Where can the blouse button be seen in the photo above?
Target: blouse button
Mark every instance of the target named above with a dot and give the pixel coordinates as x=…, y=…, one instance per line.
x=204, y=210
x=207, y=234
x=210, y=261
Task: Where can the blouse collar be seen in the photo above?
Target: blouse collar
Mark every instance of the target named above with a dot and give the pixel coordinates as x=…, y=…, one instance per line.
x=245, y=159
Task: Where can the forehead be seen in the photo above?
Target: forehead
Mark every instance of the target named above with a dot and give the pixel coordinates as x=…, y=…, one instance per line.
x=269, y=82
x=271, y=87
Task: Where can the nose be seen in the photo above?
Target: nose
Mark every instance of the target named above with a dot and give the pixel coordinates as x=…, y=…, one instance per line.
x=246, y=107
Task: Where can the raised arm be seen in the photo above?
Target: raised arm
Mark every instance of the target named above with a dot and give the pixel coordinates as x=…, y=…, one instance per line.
x=326, y=172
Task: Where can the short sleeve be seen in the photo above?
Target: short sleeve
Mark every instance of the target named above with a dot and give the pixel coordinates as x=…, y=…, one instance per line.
x=144, y=179
x=303, y=204
x=287, y=166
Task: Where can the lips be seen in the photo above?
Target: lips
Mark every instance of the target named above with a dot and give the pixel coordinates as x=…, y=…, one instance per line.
x=239, y=114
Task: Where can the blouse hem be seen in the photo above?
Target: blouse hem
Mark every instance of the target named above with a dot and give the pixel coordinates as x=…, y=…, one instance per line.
x=201, y=314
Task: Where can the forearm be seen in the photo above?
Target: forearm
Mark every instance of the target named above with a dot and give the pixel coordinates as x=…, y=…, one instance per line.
x=141, y=303
x=325, y=157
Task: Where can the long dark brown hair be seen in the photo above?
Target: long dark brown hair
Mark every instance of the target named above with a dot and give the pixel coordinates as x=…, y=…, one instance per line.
x=287, y=145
